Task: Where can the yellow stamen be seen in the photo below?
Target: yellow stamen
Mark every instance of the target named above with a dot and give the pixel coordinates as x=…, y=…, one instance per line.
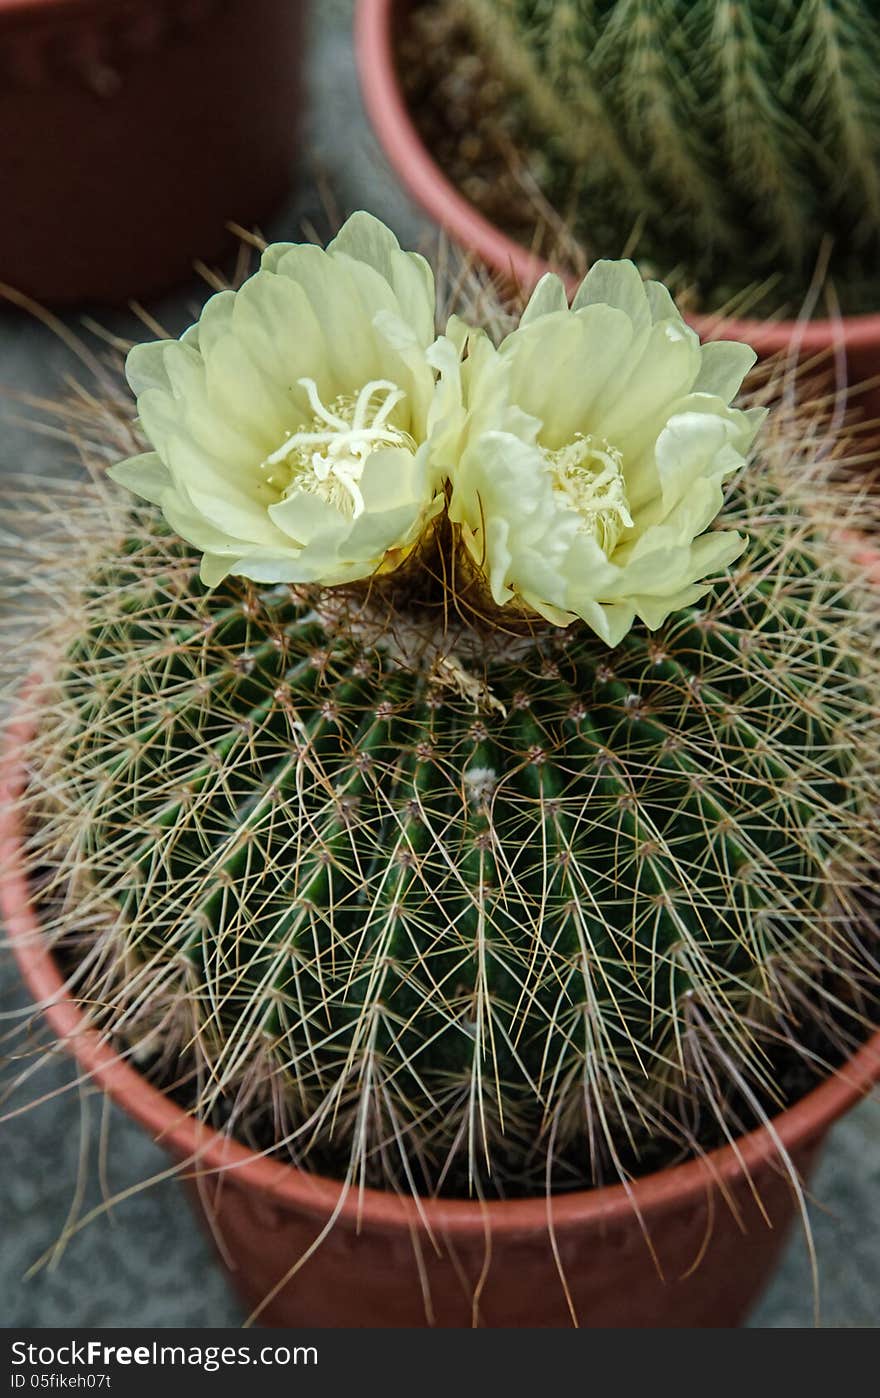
x=588, y=473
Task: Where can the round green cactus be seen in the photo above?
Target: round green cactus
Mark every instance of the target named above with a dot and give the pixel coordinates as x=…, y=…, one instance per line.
x=463, y=835
x=733, y=140
x=449, y=900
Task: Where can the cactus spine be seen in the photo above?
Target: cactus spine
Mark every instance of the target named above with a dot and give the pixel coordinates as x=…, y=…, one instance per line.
x=737, y=139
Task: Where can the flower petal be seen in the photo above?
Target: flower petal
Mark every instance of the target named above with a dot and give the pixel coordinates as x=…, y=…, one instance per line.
x=723, y=366
x=365, y=239
x=214, y=568
x=617, y=284
x=143, y=475
x=547, y=297
x=661, y=303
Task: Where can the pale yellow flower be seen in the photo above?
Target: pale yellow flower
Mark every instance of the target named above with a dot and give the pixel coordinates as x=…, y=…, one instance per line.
x=592, y=450
x=290, y=425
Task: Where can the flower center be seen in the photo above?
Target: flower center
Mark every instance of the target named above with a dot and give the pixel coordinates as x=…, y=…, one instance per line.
x=327, y=457
x=589, y=474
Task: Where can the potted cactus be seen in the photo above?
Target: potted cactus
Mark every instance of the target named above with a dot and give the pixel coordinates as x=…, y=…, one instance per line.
x=444, y=803
x=735, y=146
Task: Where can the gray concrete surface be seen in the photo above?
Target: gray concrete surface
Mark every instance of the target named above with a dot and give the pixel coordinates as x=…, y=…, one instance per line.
x=145, y=1262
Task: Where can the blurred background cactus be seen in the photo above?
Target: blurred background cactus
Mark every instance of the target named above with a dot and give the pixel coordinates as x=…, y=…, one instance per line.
x=421, y=902
x=729, y=140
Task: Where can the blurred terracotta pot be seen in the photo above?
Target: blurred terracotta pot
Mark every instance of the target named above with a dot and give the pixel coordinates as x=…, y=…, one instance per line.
x=387, y=1262
x=133, y=131
x=855, y=339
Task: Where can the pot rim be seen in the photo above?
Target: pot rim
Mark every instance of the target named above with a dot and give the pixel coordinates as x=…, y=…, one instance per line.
x=429, y=186
x=207, y=1151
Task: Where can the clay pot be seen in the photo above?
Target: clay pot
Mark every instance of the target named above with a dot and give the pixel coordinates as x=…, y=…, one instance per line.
x=857, y=338
x=713, y=1246
x=133, y=131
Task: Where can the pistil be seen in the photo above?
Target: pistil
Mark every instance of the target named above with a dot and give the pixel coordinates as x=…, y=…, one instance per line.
x=328, y=457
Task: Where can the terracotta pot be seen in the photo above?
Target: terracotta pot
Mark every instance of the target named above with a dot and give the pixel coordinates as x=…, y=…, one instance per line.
x=856, y=337
x=378, y=1266
x=134, y=130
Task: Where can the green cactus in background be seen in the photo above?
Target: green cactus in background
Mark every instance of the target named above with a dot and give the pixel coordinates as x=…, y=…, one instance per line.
x=737, y=140
x=453, y=908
